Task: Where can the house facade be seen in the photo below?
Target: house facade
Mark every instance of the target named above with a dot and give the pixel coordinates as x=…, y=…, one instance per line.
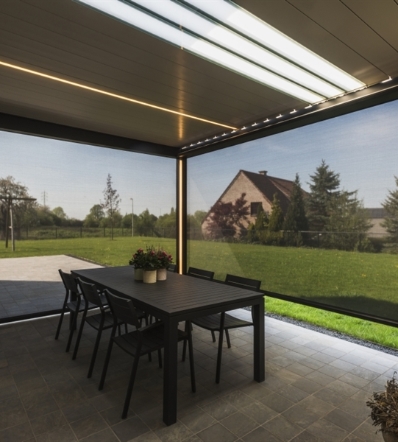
x=259, y=189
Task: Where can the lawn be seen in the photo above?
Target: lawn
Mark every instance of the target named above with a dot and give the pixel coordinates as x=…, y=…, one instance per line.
x=367, y=282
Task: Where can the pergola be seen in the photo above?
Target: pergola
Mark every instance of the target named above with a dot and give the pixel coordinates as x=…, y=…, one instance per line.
x=69, y=72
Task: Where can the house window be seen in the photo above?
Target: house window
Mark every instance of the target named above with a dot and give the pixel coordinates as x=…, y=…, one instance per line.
x=254, y=208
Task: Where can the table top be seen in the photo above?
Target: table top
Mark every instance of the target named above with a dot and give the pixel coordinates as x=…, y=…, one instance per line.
x=178, y=294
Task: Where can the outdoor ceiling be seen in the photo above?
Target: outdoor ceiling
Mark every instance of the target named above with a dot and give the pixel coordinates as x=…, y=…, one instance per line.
x=67, y=40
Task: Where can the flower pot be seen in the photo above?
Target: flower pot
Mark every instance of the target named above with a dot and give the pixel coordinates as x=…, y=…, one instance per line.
x=390, y=437
x=149, y=276
x=138, y=274
x=161, y=274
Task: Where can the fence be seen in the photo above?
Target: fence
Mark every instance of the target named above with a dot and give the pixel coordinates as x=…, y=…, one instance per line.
x=84, y=232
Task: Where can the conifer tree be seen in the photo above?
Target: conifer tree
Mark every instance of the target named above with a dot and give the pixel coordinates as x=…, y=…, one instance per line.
x=324, y=187
x=391, y=220
x=295, y=219
x=276, y=218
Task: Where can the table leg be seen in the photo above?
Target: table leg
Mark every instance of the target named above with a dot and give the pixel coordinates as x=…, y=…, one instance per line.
x=258, y=344
x=170, y=372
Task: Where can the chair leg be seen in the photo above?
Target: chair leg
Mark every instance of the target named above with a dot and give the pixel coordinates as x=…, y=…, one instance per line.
x=107, y=359
x=160, y=358
x=72, y=330
x=79, y=335
x=218, y=370
x=130, y=386
x=227, y=336
x=184, y=350
x=213, y=335
x=188, y=329
x=95, y=351
x=61, y=318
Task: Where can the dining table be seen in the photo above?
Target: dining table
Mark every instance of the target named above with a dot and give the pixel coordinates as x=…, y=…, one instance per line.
x=177, y=299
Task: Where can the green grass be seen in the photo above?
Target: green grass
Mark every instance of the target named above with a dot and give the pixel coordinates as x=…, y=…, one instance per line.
x=348, y=279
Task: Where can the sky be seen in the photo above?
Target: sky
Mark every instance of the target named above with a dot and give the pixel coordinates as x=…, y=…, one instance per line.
x=362, y=147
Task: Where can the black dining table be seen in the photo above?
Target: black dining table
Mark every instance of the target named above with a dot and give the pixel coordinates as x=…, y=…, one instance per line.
x=178, y=299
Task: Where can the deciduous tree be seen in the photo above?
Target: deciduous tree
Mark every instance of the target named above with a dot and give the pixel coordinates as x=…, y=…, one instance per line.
x=228, y=219
x=111, y=201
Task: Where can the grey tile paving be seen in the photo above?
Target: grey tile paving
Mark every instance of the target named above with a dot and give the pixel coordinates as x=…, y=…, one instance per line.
x=32, y=285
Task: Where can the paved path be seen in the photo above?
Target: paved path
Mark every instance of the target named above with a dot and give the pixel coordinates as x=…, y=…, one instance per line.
x=32, y=286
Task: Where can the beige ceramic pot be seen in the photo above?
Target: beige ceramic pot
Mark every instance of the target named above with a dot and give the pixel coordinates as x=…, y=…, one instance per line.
x=149, y=276
x=138, y=274
x=162, y=274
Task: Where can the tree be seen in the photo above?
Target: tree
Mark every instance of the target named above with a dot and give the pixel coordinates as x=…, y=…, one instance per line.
x=194, y=224
x=276, y=218
x=144, y=224
x=391, y=220
x=348, y=223
x=227, y=218
x=324, y=187
x=257, y=232
x=59, y=216
x=111, y=201
x=166, y=224
x=295, y=219
x=95, y=216
x=22, y=215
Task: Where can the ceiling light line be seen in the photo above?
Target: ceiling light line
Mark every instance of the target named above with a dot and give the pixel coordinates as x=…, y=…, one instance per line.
x=135, y=16
x=110, y=94
x=254, y=28
x=190, y=19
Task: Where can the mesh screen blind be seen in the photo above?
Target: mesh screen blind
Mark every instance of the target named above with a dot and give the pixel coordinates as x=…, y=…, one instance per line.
x=312, y=213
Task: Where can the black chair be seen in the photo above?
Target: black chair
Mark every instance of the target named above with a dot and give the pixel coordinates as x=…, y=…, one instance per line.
x=199, y=273
x=224, y=321
x=172, y=268
x=139, y=342
x=73, y=303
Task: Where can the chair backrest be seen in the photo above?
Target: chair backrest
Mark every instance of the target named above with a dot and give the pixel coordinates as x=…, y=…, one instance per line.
x=200, y=273
x=172, y=268
x=90, y=293
x=122, y=309
x=69, y=282
x=244, y=283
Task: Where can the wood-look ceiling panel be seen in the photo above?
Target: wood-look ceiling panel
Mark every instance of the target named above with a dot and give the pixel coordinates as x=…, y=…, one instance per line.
x=353, y=31
x=384, y=22
x=286, y=16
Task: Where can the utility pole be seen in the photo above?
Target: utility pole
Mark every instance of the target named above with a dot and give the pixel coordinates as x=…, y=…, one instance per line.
x=44, y=195
x=132, y=217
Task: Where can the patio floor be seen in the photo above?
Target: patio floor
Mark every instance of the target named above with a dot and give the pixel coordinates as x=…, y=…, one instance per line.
x=32, y=286
x=315, y=389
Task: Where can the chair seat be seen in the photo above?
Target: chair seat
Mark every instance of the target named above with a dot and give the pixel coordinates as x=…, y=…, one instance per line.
x=152, y=340
x=95, y=321
x=212, y=322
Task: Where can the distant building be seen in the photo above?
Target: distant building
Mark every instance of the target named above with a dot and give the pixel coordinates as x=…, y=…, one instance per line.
x=259, y=188
x=376, y=217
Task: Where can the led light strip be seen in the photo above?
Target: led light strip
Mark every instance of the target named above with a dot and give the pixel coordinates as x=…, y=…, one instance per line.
x=110, y=94
x=251, y=26
x=134, y=16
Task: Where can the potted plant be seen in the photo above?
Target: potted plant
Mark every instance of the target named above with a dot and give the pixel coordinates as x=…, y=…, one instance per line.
x=150, y=266
x=164, y=260
x=138, y=261
x=384, y=410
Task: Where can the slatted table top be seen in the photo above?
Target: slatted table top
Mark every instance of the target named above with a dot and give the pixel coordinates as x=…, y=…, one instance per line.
x=178, y=294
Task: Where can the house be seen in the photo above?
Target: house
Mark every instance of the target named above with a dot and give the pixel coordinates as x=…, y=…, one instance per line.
x=376, y=217
x=259, y=189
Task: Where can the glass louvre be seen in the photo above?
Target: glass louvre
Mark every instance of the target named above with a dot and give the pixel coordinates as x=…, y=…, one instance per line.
x=349, y=260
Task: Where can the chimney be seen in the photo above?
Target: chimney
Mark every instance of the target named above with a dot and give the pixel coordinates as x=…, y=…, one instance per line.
x=263, y=172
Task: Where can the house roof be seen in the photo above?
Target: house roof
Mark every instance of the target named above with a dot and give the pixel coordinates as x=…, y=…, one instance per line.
x=65, y=39
x=269, y=185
